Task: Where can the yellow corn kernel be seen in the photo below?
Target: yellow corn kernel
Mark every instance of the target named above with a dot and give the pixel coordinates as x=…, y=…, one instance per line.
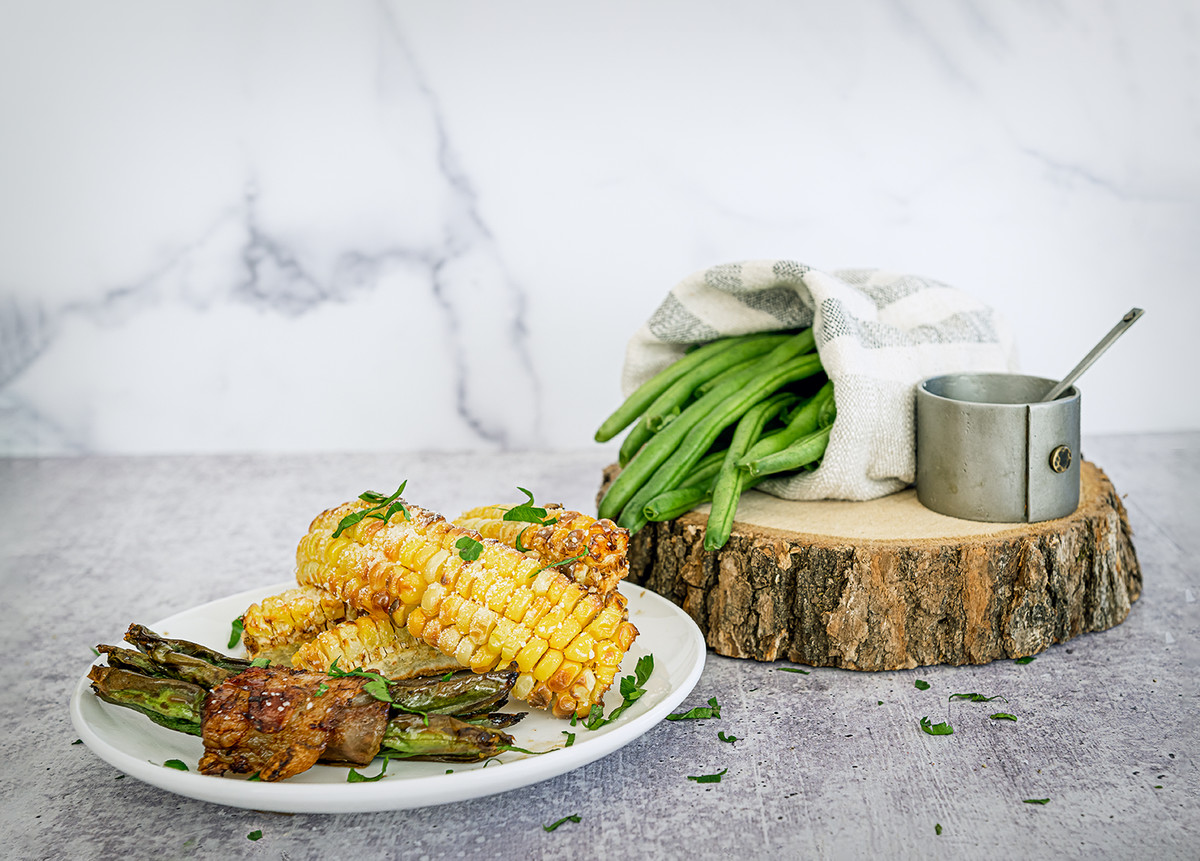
x=547, y=665
x=528, y=656
x=581, y=649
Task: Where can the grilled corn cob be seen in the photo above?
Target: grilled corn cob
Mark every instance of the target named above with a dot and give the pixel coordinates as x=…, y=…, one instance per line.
x=597, y=546
x=500, y=608
x=372, y=642
x=277, y=626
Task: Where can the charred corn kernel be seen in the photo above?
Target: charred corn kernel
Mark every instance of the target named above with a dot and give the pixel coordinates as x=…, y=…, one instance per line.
x=560, y=680
x=276, y=626
x=602, y=544
x=499, y=608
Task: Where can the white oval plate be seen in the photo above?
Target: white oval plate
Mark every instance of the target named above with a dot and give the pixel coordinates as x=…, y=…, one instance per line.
x=133, y=744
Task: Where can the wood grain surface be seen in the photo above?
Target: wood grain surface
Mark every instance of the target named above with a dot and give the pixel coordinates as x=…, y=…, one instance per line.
x=888, y=584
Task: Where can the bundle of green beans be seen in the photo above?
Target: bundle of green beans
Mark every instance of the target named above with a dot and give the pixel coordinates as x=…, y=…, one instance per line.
x=715, y=423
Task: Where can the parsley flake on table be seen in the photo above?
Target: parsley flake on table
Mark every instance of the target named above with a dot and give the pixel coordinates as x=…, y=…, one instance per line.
x=937, y=829
x=975, y=698
x=1003, y=716
x=712, y=710
x=728, y=739
x=574, y=817
x=1028, y=659
x=921, y=685
x=936, y=728
x=256, y=834
x=1035, y=801
x=708, y=778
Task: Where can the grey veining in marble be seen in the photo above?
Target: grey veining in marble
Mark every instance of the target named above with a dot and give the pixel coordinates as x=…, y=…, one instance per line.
x=386, y=224
x=828, y=765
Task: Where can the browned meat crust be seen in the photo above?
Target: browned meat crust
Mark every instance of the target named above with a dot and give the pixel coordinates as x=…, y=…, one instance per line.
x=278, y=722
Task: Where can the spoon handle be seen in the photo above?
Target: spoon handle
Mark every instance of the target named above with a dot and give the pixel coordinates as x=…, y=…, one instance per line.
x=1105, y=342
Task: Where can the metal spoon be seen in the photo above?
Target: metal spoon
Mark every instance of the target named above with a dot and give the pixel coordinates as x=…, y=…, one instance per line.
x=1105, y=342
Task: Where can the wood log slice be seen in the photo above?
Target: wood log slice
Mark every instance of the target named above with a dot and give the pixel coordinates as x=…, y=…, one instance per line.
x=888, y=584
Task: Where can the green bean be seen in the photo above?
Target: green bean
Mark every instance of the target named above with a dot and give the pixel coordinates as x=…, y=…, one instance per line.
x=672, y=503
x=668, y=405
x=660, y=447
x=636, y=403
x=803, y=421
x=731, y=481
x=799, y=454
x=696, y=438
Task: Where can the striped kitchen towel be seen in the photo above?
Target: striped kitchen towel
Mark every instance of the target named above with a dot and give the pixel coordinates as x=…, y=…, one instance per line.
x=878, y=333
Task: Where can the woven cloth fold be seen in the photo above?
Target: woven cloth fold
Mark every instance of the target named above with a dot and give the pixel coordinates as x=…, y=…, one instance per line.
x=878, y=333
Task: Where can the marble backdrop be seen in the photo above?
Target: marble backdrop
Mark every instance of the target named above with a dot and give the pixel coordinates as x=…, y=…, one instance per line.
x=291, y=226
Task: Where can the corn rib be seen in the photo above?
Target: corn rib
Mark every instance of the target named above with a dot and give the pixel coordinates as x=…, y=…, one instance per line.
x=372, y=642
x=503, y=607
x=600, y=545
x=275, y=627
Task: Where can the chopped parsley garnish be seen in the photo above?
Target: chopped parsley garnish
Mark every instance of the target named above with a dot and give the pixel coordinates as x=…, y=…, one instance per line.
x=376, y=686
x=382, y=508
x=976, y=698
x=570, y=738
x=574, y=817
x=632, y=688
x=1035, y=801
x=261, y=662
x=235, y=632
x=1002, y=716
x=1028, y=659
x=559, y=564
x=708, y=778
x=527, y=512
x=791, y=670
x=468, y=548
x=937, y=829
x=77, y=741
x=321, y=690
x=356, y=777
x=256, y=834
x=728, y=739
x=936, y=728
x=712, y=710
x=177, y=764
x=921, y=685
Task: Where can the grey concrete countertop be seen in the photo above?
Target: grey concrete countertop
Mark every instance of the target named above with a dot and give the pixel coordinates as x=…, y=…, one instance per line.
x=827, y=765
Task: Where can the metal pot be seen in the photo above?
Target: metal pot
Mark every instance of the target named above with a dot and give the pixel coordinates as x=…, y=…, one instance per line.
x=989, y=450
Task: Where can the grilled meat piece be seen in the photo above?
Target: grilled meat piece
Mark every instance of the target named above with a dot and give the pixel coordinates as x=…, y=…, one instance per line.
x=278, y=722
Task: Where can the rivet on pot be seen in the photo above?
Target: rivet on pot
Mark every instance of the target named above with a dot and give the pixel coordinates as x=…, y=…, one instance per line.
x=1060, y=459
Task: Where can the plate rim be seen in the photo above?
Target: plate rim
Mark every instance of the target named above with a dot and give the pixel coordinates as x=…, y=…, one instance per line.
x=420, y=791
